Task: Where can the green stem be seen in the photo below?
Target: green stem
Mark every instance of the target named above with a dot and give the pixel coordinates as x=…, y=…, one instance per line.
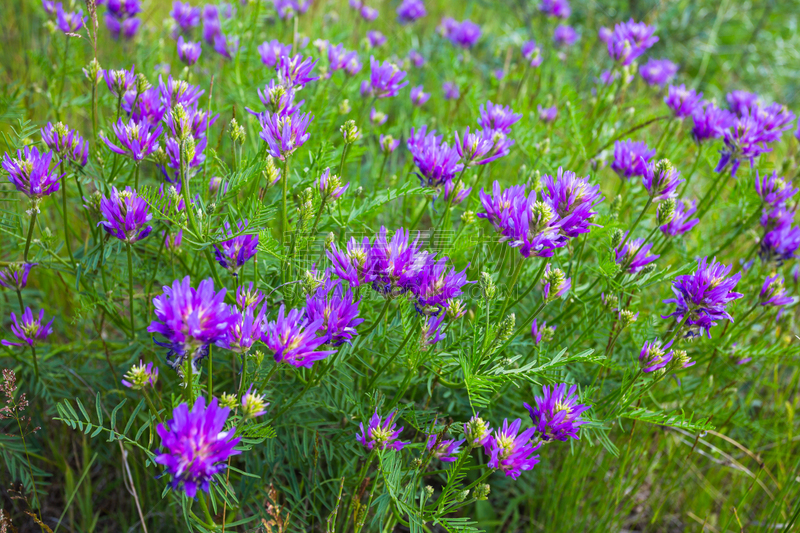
x=34, y=213
x=19, y=299
x=692, y=171
x=514, y=278
x=391, y=359
x=64, y=210
x=130, y=291
x=664, y=135
x=35, y=363
x=715, y=189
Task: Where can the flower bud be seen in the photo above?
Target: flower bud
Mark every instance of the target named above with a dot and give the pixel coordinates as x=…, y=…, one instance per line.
x=455, y=308
x=665, y=211
x=141, y=84
x=626, y=318
x=253, y=404
x=616, y=238
x=92, y=71
x=329, y=240
x=237, y=132
x=616, y=205
x=461, y=496
x=350, y=132
x=228, y=400
x=271, y=173
x=468, y=217
x=488, y=287
x=344, y=107
x=428, y=491
x=649, y=268
x=140, y=376
x=482, y=491
x=506, y=329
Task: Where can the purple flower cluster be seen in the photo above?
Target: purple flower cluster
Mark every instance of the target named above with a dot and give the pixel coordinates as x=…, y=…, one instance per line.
x=631, y=158
x=30, y=172
x=385, y=80
x=288, y=9
x=186, y=17
x=512, y=450
x=66, y=143
x=15, y=275
x=661, y=180
x=135, y=139
x=564, y=36
x=381, y=434
x=658, y=71
x=555, y=8
x=710, y=122
x=66, y=21
x=272, y=51
x=773, y=292
x=398, y=266
x=212, y=31
x=233, y=253
x=126, y=215
x=339, y=58
x=630, y=40
x=188, y=52
x=121, y=18
x=682, y=101
x=633, y=255
x=446, y=450
x=195, y=445
x=557, y=414
x=654, y=356
x=781, y=237
x=701, y=297
x=572, y=199
x=462, y=34
x=410, y=11
x=29, y=329
x=681, y=221
x=532, y=54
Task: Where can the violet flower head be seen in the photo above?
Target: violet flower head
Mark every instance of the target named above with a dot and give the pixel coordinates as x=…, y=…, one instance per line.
x=355, y=263
x=547, y=114
x=295, y=72
x=682, y=101
x=119, y=81
x=681, y=221
x=450, y=91
x=135, y=139
x=330, y=186
x=185, y=16
x=253, y=404
x=292, y=338
x=339, y=58
x=245, y=330
x=710, y=122
x=436, y=286
x=30, y=172
x=436, y=161
x=532, y=53
x=497, y=117
x=233, y=253
x=410, y=11
x=126, y=215
x=772, y=190
x=557, y=414
x=288, y=9
x=28, y=329
x=418, y=96
x=139, y=376
x=555, y=284
x=634, y=255
x=701, y=297
x=432, y=331
x=773, y=292
x=368, y=13
x=661, y=180
x=745, y=140
x=121, y=18
x=555, y=8
x=475, y=148
x=381, y=434
x=284, y=133
x=654, y=356
x=631, y=158
x=195, y=445
x=388, y=143
x=190, y=319
x=375, y=38
x=572, y=199
x=477, y=431
x=564, y=36
x=188, y=52
x=337, y=312
x=604, y=34
x=396, y=264
x=462, y=34
x=15, y=275
x=445, y=450
x=175, y=92
x=272, y=51
x=782, y=240
x=511, y=450
x=741, y=102
x=377, y=118
x=630, y=40
x=385, y=80
x=541, y=332
x=49, y=6
x=658, y=71
x=225, y=46
x=66, y=143
x=248, y=297
x=416, y=58
x=69, y=22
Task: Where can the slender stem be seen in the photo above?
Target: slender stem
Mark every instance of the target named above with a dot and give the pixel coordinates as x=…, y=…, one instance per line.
x=136, y=176
x=64, y=210
x=63, y=75
x=210, y=374
x=422, y=208
x=206, y=512
x=35, y=363
x=19, y=299
x=697, y=157
x=446, y=215
x=715, y=189
x=284, y=202
x=636, y=223
x=514, y=278
x=391, y=359
x=383, y=166
x=130, y=291
x=34, y=213
x=664, y=135
x=377, y=320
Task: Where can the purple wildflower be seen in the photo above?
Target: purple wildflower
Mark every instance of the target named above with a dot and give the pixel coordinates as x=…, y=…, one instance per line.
x=782, y=239
x=564, y=36
x=445, y=450
x=190, y=319
x=432, y=331
x=375, y=38
x=284, y=133
x=436, y=161
x=540, y=333
x=340, y=58
x=194, y=445
x=66, y=143
x=368, y=13
x=742, y=102
x=410, y=11
x=654, y=357
x=555, y=284
x=555, y=8
x=634, y=255
x=15, y=275
x=418, y=97
x=295, y=72
x=188, y=52
x=435, y=286
x=185, y=16
x=451, y=91
x=121, y=18
x=772, y=190
x=572, y=199
x=288, y=9
x=746, y=139
x=381, y=434
x=233, y=253
x=631, y=158
x=658, y=71
x=396, y=263
x=497, y=117
x=475, y=148
x=244, y=330
x=477, y=431
x=661, y=180
x=30, y=172
x=126, y=215
x=377, y=118
x=336, y=311
x=28, y=329
x=462, y=34
x=416, y=58
x=510, y=450
x=355, y=263
x=710, y=122
x=630, y=40
x=175, y=92
x=681, y=221
x=604, y=34
x=682, y=101
x=139, y=376
x=69, y=22
x=388, y=143
x=119, y=81
x=773, y=292
x=248, y=297
x=532, y=53
x=384, y=81
x=330, y=187
x=557, y=414
x=293, y=339
x=272, y=51
x=701, y=297
x=547, y=114
x=138, y=140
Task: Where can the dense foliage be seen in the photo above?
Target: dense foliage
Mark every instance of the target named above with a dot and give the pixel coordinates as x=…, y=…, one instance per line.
x=384, y=265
